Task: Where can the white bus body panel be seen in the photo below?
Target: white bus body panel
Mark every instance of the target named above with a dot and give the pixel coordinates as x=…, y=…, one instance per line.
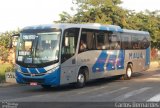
x=103, y=64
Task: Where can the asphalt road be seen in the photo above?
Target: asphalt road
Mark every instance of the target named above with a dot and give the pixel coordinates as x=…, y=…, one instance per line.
x=143, y=87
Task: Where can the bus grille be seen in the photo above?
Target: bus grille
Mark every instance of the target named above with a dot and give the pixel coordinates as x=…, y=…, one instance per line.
x=28, y=74
x=34, y=80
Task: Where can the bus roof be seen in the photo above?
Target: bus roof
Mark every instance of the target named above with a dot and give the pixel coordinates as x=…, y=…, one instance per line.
x=135, y=32
x=68, y=25
x=113, y=28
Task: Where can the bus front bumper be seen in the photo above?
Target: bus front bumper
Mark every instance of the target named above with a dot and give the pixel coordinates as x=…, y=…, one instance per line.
x=47, y=79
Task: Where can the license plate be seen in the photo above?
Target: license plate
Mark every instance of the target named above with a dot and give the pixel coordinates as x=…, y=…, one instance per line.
x=33, y=83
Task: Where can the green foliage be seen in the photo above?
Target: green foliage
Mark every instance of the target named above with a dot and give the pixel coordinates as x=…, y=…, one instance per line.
x=5, y=39
x=96, y=11
x=4, y=68
x=109, y=12
x=4, y=53
x=147, y=21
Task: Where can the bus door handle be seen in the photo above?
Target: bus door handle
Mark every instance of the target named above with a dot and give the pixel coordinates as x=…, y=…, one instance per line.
x=74, y=61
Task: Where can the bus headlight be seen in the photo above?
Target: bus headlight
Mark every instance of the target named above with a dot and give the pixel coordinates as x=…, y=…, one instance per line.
x=52, y=70
x=18, y=69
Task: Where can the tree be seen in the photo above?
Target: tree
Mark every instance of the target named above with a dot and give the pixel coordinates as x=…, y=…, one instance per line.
x=146, y=21
x=65, y=18
x=5, y=39
x=96, y=11
x=109, y=12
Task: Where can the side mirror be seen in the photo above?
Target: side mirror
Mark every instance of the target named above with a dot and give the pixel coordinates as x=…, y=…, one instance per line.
x=13, y=40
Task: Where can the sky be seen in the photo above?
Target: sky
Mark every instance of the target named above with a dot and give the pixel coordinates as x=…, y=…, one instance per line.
x=20, y=13
x=141, y=5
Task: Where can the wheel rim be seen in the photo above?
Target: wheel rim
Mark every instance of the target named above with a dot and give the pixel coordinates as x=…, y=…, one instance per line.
x=129, y=72
x=81, y=78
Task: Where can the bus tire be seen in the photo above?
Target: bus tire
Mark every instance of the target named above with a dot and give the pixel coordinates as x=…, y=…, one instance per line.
x=128, y=74
x=81, y=79
x=46, y=86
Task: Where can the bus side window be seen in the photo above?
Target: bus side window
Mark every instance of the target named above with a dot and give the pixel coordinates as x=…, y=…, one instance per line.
x=82, y=44
x=100, y=44
x=102, y=40
x=106, y=41
x=115, y=42
x=136, y=42
x=126, y=42
x=86, y=40
x=145, y=43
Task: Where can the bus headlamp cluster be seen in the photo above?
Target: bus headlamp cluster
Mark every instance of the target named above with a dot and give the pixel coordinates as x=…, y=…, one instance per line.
x=52, y=70
x=18, y=69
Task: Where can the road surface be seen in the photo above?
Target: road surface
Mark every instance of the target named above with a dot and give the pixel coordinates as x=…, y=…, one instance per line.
x=143, y=87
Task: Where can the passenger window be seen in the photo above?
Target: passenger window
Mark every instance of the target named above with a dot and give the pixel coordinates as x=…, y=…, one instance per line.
x=86, y=40
x=102, y=40
x=100, y=44
x=83, y=46
x=126, y=41
x=115, y=42
x=135, y=42
x=145, y=42
x=69, y=43
x=97, y=40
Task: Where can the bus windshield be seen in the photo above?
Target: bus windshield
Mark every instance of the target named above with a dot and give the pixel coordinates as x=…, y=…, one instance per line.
x=38, y=48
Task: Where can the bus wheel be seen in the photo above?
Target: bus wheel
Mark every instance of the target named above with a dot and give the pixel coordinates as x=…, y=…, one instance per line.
x=46, y=86
x=128, y=73
x=81, y=79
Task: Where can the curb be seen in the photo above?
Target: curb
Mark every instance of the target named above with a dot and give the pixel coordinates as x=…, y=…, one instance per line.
x=153, y=69
x=7, y=84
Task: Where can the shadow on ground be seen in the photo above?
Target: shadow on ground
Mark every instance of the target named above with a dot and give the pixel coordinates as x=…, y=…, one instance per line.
x=70, y=87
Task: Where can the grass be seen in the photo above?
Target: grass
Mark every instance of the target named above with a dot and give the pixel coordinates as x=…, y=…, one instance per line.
x=156, y=60
x=3, y=68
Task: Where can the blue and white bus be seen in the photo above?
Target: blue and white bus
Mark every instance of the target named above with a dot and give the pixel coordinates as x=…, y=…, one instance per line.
x=57, y=54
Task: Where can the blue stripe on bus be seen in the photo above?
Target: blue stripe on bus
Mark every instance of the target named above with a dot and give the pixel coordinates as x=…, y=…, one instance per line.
x=33, y=70
x=41, y=70
x=111, y=61
x=120, y=62
x=99, y=65
x=112, y=29
x=103, y=28
x=147, y=57
x=24, y=70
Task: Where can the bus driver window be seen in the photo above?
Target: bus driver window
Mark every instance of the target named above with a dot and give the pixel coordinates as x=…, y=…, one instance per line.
x=83, y=46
